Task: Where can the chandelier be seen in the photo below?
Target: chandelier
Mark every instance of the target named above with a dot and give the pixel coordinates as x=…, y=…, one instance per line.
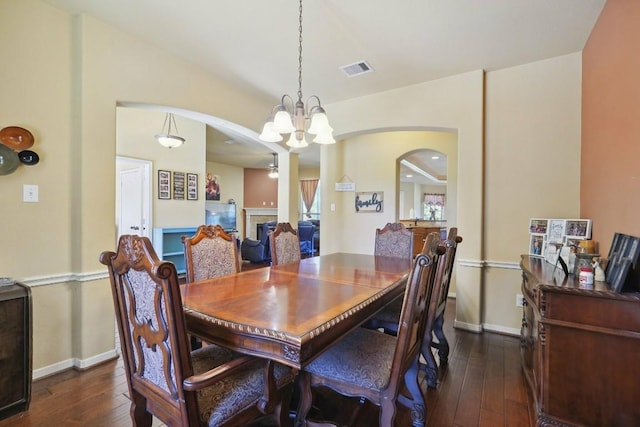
x=166, y=138
x=281, y=122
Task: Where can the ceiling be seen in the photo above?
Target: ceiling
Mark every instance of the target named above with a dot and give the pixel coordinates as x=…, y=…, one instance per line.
x=254, y=43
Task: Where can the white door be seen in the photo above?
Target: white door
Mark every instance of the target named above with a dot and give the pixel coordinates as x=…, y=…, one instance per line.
x=133, y=191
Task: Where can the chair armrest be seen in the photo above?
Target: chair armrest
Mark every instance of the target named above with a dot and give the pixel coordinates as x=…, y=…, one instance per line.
x=206, y=379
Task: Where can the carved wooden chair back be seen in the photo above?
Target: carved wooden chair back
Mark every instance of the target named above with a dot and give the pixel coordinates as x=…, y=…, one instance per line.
x=285, y=245
x=394, y=240
x=359, y=364
x=210, y=253
x=452, y=242
x=210, y=386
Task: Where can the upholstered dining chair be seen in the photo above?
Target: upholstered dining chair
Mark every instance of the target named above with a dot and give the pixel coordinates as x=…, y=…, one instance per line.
x=379, y=367
x=285, y=245
x=442, y=345
x=210, y=253
x=388, y=318
x=212, y=386
x=394, y=240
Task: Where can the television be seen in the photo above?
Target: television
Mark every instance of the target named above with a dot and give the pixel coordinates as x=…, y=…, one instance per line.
x=223, y=214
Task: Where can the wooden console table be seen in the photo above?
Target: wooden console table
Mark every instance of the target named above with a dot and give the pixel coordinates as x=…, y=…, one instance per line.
x=580, y=349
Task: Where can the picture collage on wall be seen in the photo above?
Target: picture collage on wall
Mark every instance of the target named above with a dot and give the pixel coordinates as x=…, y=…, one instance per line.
x=550, y=238
x=185, y=185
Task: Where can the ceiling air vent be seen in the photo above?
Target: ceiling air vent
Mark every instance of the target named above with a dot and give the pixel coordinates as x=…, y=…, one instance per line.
x=357, y=69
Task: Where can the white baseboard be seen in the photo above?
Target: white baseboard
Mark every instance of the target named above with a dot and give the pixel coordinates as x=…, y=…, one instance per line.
x=501, y=329
x=74, y=363
x=467, y=326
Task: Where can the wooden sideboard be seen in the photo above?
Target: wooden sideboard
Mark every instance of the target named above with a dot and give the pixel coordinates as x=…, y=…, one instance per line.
x=421, y=233
x=15, y=349
x=580, y=349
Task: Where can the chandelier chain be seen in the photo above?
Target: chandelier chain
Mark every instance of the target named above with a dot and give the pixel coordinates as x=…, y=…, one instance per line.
x=300, y=52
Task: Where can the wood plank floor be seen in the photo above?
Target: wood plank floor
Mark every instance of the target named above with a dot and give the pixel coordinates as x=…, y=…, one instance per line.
x=483, y=385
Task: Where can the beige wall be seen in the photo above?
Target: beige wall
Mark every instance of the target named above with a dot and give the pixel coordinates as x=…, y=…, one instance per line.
x=532, y=169
x=610, y=178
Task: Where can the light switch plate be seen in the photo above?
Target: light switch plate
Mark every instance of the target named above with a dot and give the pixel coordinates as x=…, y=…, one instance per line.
x=29, y=193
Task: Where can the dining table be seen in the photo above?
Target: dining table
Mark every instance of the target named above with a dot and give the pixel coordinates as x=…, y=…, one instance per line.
x=292, y=312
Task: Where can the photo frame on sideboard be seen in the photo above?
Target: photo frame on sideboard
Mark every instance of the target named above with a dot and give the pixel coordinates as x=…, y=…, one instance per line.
x=622, y=265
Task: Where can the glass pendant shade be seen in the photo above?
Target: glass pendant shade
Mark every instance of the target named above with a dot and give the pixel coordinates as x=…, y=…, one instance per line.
x=166, y=138
x=269, y=134
x=294, y=142
x=319, y=124
x=170, y=141
x=324, y=138
x=282, y=122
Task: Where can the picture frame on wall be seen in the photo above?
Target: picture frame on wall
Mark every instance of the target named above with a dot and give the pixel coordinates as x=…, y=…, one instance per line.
x=369, y=201
x=192, y=186
x=178, y=186
x=164, y=185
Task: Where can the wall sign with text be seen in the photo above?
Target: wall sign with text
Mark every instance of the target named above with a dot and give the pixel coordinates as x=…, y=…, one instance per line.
x=369, y=201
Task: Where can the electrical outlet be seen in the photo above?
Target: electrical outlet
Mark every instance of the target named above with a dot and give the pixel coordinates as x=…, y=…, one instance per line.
x=519, y=300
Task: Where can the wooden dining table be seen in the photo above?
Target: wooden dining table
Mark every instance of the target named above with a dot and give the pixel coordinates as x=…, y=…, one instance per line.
x=292, y=312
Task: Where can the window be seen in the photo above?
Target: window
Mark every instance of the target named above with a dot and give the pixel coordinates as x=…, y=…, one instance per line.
x=433, y=206
x=310, y=200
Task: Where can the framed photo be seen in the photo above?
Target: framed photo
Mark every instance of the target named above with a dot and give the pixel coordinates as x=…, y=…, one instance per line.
x=369, y=201
x=192, y=186
x=622, y=265
x=578, y=228
x=178, y=185
x=555, y=230
x=538, y=226
x=164, y=185
x=537, y=244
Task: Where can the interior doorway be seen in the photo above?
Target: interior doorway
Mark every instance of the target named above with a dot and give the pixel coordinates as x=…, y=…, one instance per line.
x=133, y=196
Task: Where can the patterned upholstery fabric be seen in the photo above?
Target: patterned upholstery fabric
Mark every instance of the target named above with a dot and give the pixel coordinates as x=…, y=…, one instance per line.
x=363, y=358
x=210, y=253
x=148, y=357
x=394, y=240
x=232, y=394
x=213, y=257
x=285, y=244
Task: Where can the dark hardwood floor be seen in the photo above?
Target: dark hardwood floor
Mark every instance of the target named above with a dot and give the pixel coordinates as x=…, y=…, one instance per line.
x=483, y=385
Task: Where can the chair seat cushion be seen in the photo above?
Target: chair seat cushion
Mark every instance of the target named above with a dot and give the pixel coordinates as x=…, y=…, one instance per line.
x=234, y=393
x=363, y=358
x=391, y=313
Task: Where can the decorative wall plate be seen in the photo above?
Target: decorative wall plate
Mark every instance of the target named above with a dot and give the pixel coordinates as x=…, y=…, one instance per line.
x=8, y=160
x=16, y=138
x=28, y=157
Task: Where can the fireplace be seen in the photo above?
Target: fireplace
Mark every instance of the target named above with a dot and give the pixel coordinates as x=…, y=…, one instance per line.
x=254, y=216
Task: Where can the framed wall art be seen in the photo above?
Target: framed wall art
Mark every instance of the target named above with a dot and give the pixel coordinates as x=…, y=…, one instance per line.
x=164, y=185
x=192, y=186
x=369, y=201
x=178, y=186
